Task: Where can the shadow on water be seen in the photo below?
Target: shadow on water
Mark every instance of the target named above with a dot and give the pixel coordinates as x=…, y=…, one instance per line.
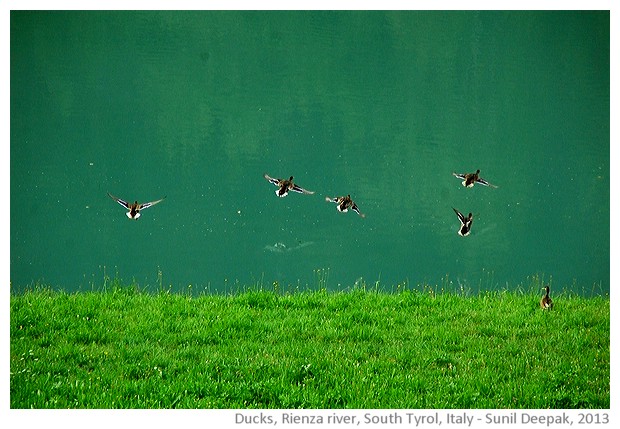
x=280, y=247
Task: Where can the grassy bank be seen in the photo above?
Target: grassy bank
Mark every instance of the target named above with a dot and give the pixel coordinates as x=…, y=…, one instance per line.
x=355, y=349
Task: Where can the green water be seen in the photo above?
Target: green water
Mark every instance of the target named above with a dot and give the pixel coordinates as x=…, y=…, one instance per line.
x=197, y=106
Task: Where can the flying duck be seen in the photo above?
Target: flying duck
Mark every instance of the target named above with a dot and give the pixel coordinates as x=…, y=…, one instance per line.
x=470, y=178
x=545, y=302
x=466, y=222
x=344, y=204
x=134, y=209
x=285, y=185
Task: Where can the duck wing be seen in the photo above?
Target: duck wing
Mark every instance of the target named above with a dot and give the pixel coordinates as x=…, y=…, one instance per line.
x=357, y=210
x=272, y=180
x=151, y=203
x=118, y=200
x=300, y=189
x=460, y=215
x=484, y=182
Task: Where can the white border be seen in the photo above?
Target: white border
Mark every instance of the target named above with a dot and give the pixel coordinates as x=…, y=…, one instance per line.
x=226, y=418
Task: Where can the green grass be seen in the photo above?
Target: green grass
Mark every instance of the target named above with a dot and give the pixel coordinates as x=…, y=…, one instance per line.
x=124, y=348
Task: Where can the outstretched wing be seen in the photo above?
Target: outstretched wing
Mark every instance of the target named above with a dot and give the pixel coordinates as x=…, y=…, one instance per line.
x=461, y=176
x=460, y=215
x=149, y=204
x=333, y=200
x=272, y=180
x=118, y=200
x=357, y=210
x=300, y=190
x=485, y=183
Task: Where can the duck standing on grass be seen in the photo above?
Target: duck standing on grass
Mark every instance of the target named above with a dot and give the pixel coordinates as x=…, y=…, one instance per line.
x=466, y=222
x=470, y=178
x=285, y=185
x=134, y=209
x=545, y=302
x=344, y=204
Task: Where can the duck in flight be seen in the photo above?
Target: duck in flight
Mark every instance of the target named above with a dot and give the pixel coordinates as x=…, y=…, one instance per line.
x=466, y=222
x=545, y=302
x=344, y=204
x=134, y=208
x=470, y=178
x=286, y=185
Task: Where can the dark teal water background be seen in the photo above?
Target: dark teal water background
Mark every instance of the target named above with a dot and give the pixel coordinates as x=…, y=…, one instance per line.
x=384, y=106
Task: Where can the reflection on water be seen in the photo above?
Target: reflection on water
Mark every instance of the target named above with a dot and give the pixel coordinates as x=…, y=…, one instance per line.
x=383, y=106
x=280, y=247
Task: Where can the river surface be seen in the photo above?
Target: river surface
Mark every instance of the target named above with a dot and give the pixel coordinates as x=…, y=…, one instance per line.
x=196, y=106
